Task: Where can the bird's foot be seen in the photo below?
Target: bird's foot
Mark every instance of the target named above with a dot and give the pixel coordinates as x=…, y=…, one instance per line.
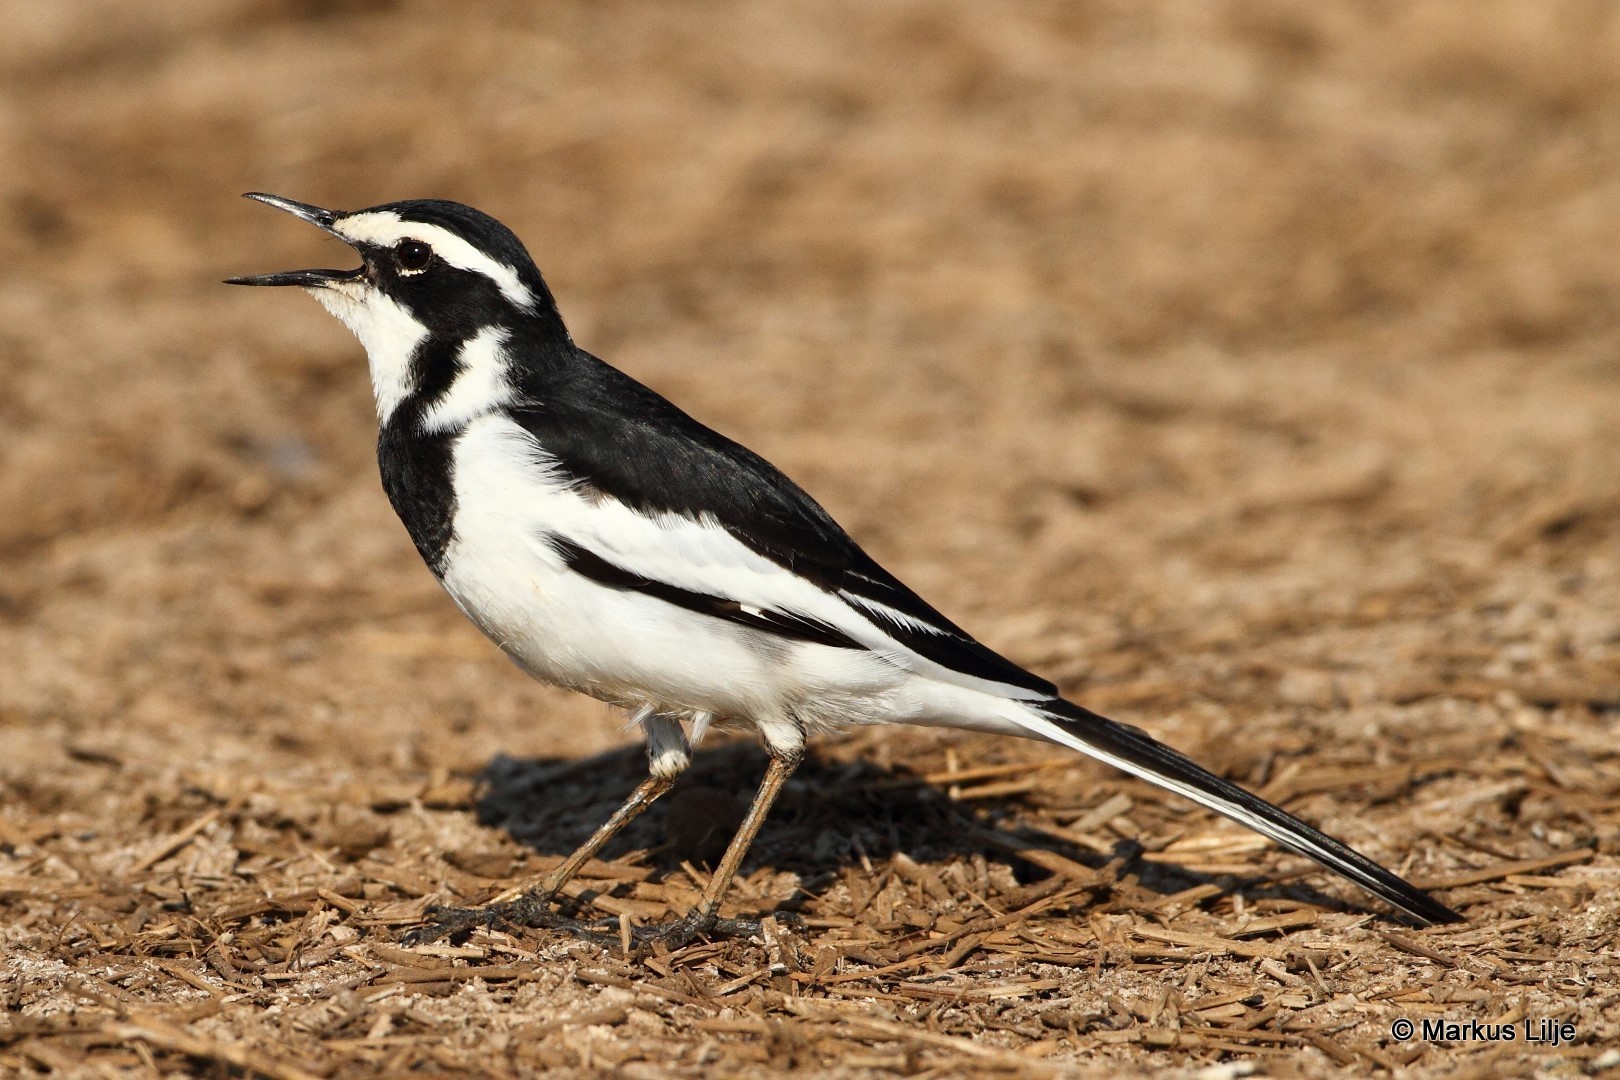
x=679, y=933
x=534, y=910
x=531, y=909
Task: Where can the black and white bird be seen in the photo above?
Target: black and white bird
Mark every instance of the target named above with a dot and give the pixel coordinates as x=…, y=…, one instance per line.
x=610, y=543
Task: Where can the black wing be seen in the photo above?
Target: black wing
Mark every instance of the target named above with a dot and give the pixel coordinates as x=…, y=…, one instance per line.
x=611, y=433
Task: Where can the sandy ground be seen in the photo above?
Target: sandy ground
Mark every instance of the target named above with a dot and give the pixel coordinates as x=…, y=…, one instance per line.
x=1249, y=368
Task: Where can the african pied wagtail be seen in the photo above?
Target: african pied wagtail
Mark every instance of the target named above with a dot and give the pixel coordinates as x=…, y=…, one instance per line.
x=608, y=542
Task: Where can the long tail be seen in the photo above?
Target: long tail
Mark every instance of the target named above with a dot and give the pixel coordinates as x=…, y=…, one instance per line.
x=1136, y=752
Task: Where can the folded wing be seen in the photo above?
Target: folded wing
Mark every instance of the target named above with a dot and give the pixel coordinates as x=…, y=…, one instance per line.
x=671, y=508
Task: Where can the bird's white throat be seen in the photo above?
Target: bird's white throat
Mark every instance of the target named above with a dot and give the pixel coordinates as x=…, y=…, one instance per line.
x=389, y=332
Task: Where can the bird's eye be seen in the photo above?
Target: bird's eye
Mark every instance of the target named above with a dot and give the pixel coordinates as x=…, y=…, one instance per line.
x=412, y=255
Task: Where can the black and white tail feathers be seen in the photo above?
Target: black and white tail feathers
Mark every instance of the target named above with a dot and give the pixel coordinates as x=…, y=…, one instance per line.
x=1138, y=753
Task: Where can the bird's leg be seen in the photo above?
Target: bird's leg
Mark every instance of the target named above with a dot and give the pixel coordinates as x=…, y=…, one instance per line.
x=668, y=755
x=703, y=918
x=529, y=909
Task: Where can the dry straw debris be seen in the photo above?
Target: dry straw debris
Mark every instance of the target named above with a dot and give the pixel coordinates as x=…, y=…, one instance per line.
x=1250, y=368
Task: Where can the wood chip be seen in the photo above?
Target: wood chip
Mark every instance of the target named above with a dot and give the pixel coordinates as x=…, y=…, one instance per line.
x=1331, y=1049
x=1184, y=901
x=1211, y=943
x=1502, y=870
x=509, y=973
x=1417, y=948
x=1288, y=920
x=972, y=992
x=1044, y=858
x=166, y=1036
x=173, y=843
x=1000, y=790
x=1538, y=881
x=913, y=1033
x=600, y=978
x=1218, y=1000
x=612, y=1015
x=1244, y=1034
x=1101, y=814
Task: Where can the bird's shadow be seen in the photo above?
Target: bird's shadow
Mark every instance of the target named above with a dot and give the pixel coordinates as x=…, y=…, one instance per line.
x=833, y=814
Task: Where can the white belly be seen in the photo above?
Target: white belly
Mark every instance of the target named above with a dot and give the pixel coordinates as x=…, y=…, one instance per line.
x=624, y=646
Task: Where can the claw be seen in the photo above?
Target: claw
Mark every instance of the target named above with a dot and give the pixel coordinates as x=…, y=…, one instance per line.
x=683, y=931
x=679, y=933
x=441, y=921
x=533, y=910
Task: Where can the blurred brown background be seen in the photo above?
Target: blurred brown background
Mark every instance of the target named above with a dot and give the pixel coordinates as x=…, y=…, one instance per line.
x=1251, y=368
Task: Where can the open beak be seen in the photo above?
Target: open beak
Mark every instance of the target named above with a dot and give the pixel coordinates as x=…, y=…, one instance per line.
x=324, y=220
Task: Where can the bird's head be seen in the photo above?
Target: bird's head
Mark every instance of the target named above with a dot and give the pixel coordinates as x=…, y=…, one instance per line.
x=433, y=276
